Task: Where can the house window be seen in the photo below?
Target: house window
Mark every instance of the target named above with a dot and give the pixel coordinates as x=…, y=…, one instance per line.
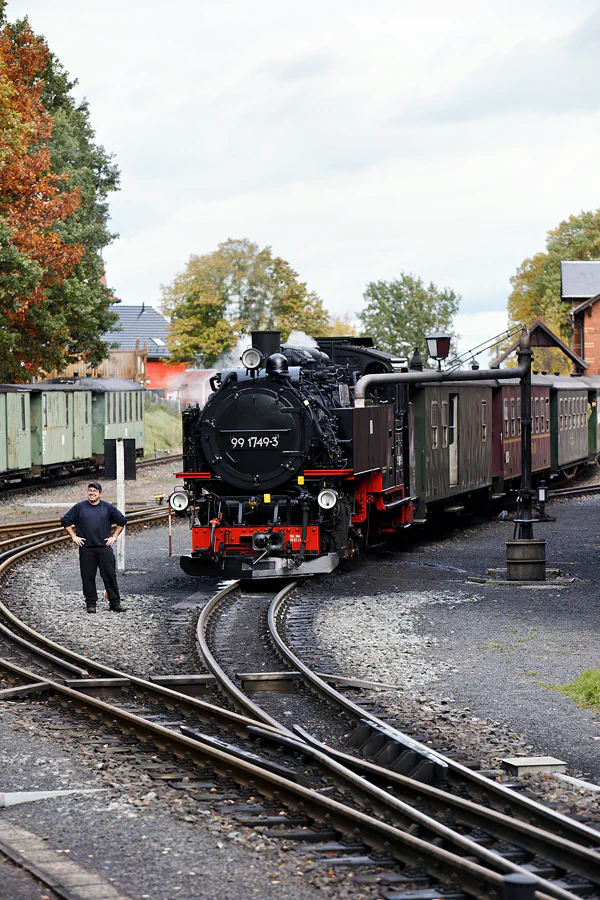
x=434, y=424
x=506, y=418
x=444, y=423
x=483, y=421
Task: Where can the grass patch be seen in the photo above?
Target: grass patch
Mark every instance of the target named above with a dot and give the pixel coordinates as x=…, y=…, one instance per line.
x=583, y=690
x=163, y=429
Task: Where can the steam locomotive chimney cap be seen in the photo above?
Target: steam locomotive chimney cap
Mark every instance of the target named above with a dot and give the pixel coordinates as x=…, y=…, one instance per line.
x=277, y=364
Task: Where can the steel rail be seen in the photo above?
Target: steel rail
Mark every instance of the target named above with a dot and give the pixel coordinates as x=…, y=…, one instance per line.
x=402, y=812
x=441, y=864
x=207, y=711
x=522, y=807
x=572, y=492
x=342, y=767
x=225, y=683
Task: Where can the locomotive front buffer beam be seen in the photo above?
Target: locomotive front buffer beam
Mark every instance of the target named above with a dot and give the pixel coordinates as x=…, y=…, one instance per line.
x=523, y=373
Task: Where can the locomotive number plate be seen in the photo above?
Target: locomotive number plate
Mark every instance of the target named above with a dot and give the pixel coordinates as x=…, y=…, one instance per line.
x=254, y=442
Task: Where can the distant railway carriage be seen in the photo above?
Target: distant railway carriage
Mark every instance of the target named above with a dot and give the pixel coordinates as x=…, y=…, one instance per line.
x=117, y=411
x=61, y=424
x=15, y=432
x=60, y=427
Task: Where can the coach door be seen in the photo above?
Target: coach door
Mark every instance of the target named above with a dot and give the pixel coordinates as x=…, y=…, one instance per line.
x=453, y=440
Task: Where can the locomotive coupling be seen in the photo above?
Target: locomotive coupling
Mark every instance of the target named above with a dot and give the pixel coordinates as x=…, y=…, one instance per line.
x=268, y=540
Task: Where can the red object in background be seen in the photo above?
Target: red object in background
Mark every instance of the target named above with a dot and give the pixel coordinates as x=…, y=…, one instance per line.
x=160, y=375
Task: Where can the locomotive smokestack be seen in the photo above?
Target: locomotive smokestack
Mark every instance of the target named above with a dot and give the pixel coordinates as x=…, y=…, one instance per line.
x=268, y=342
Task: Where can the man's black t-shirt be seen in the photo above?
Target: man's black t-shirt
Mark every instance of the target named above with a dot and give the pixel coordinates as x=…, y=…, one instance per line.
x=93, y=522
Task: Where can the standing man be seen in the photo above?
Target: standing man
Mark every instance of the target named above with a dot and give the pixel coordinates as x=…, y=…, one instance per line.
x=89, y=524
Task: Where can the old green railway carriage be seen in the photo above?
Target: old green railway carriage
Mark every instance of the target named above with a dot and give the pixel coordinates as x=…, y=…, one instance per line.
x=15, y=431
x=61, y=424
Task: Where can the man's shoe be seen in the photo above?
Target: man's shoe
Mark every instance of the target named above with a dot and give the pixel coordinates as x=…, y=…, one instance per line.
x=91, y=609
x=118, y=608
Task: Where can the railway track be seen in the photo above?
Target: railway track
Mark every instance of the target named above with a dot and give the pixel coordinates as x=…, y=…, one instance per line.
x=420, y=820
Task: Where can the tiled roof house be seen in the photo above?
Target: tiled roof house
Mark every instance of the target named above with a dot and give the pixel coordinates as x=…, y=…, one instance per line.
x=142, y=326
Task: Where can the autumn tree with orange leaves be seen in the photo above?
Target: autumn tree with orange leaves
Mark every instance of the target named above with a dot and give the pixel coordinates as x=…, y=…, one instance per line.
x=46, y=276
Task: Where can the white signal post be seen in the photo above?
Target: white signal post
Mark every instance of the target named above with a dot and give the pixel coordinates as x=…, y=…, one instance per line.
x=120, y=448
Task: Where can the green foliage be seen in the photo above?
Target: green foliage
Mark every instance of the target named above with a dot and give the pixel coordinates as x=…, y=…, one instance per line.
x=81, y=302
x=234, y=290
x=536, y=285
x=584, y=690
x=399, y=313
x=162, y=428
x=63, y=308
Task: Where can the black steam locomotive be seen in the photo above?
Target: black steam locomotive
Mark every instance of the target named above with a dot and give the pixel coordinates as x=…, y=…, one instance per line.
x=283, y=475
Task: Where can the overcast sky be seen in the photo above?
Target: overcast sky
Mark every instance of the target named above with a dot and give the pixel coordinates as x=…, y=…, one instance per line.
x=358, y=139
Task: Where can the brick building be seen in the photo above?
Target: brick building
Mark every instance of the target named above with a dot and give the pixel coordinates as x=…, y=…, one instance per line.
x=580, y=286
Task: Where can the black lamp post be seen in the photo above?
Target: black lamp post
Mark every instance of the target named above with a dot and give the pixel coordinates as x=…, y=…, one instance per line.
x=438, y=347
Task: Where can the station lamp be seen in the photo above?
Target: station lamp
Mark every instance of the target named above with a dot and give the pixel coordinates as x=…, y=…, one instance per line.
x=438, y=347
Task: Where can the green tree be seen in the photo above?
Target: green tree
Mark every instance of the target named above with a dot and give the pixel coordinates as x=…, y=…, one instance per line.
x=536, y=285
x=237, y=288
x=399, y=313
x=71, y=308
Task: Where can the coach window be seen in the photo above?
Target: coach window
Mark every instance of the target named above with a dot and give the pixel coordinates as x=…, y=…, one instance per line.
x=434, y=424
x=66, y=409
x=23, y=422
x=107, y=408
x=547, y=414
x=570, y=413
x=560, y=418
x=506, y=418
x=513, y=421
x=444, y=423
x=519, y=413
x=45, y=410
x=542, y=425
x=87, y=409
x=484, y=421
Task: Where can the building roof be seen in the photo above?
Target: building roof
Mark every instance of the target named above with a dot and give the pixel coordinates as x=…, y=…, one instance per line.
x=587, y=304
x=541, y=336
x=580, y=279
x=139, y=323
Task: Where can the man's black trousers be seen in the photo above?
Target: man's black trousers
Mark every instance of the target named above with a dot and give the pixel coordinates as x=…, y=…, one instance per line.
x=90, y=560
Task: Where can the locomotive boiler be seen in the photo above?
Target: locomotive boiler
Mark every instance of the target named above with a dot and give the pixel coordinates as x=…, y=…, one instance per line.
x=282, y=475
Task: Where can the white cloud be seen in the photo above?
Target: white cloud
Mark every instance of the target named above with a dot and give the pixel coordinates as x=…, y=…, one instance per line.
x=288, y=125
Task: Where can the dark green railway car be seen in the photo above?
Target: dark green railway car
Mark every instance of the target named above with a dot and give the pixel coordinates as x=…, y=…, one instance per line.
x=15, y=432
x=452, y=441
x=569, y=421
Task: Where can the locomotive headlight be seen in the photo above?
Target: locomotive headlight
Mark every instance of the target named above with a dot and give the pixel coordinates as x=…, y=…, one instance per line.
x=251, y=358
x=178, y=501
x=327, y=499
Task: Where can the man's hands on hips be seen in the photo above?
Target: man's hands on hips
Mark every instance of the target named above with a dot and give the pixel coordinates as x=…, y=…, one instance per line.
x=109, y=541
x=79, y=541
